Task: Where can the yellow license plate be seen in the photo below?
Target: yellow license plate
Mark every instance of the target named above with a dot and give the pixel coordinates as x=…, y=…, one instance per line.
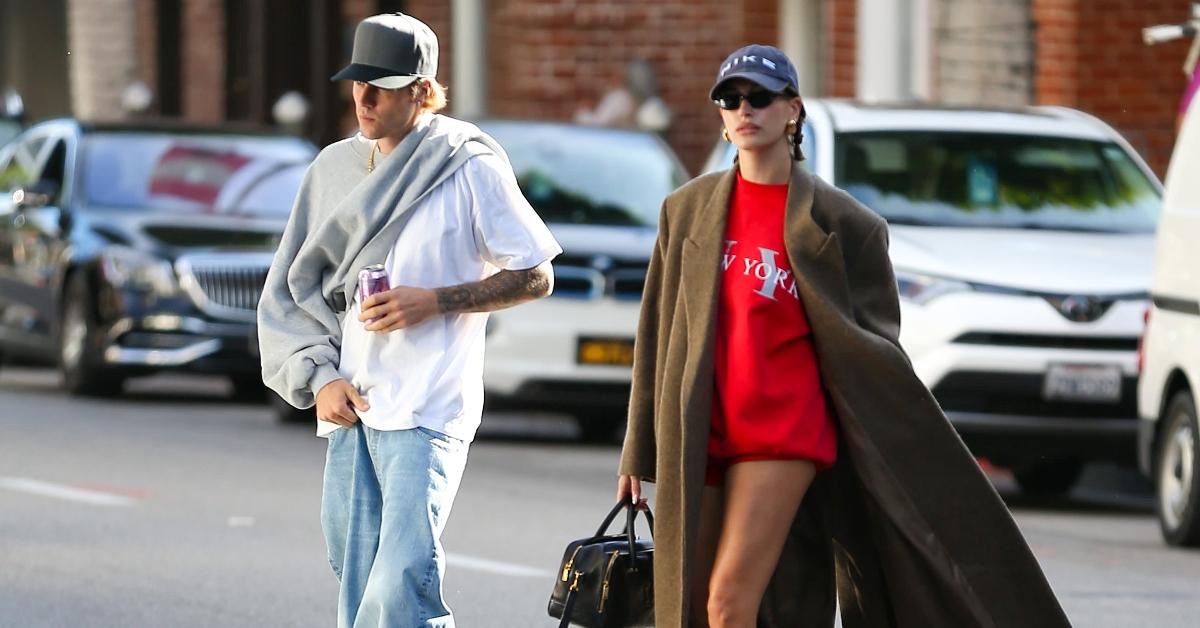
x=606, y=351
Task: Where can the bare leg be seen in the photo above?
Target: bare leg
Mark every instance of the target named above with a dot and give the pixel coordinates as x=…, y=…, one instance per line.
x=711, y=507
x=761, y=499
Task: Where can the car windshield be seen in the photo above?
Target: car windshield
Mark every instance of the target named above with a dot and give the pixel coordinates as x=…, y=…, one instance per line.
x=997, y=181
x=583, y=175
x=216, y=174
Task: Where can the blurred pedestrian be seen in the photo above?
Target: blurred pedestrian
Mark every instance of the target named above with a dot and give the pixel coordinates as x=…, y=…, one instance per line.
x=397, y=378
x=781, y=420
x=632, y=104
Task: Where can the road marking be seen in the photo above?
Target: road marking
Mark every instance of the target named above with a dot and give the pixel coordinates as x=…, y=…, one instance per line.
x=497, y=567
x=62, y=491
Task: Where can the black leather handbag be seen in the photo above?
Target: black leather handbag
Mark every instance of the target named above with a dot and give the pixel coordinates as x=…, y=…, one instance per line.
x=607, y=581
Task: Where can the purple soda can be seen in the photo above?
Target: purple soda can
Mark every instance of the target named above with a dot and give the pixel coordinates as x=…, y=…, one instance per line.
x=372, y=279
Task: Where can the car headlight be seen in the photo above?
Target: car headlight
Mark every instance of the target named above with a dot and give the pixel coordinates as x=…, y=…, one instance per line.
x=128, y=268
x=922, y=289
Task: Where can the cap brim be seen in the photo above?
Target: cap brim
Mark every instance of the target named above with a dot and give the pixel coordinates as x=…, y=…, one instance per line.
x=377, y=76
x=769, y=83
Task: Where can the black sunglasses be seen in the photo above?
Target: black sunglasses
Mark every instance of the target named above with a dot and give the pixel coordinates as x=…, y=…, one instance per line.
x=759, y=100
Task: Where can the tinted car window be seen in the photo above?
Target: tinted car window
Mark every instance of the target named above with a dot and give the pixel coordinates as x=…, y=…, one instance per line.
x=225, y=174
x=589, y=176
x=997, y=181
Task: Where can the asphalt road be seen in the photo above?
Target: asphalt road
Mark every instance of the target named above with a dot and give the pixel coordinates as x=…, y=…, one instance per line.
x=174, y=507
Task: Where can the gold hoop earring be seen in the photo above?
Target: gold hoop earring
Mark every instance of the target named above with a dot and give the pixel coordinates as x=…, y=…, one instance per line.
x=791, y=127
x=725, y=134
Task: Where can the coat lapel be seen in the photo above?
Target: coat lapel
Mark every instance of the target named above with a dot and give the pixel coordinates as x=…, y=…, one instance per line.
x=702, y=250
x=815, y=254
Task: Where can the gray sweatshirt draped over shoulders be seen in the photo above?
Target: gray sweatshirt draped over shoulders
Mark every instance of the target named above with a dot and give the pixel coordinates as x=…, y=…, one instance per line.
x=344, y=219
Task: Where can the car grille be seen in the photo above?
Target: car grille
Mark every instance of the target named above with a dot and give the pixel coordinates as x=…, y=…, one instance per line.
x=225, y=286
x=1090, y=343
x=594, y=276
x=1021, y=394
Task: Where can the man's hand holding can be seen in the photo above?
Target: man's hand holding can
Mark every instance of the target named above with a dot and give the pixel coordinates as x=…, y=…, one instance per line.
x=398, y=308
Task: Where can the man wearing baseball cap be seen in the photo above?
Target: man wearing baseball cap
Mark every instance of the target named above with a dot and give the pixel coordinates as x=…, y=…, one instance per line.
x=397, y=376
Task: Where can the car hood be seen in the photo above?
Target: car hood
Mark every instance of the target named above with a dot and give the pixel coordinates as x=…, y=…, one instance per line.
x=174, y=233
x=1044, y=261
x=627, y=243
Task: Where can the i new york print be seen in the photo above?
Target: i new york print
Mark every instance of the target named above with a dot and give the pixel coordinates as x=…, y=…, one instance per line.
x=759, y=268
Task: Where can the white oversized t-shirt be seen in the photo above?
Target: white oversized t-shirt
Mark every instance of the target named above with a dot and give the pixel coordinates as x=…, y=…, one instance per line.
x=430, y=375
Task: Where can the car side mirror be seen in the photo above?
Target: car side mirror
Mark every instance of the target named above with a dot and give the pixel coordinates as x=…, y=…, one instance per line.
x=40, y=194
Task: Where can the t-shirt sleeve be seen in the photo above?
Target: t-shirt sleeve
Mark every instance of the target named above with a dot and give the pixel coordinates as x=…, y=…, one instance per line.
x=508, y=232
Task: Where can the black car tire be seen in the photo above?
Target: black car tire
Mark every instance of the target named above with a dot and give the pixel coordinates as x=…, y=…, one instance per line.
x=597, y=426
x=248, y=388
x=1178, y=458
x=81, y=345
x=1048, y=478
x=285, y=413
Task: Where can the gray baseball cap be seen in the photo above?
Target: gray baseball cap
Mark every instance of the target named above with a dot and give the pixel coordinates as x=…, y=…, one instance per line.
x=390, y=51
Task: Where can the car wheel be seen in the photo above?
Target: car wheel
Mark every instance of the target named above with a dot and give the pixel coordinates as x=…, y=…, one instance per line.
x=1048, y=477
x=248, y=388
x=597, y=427
x=286, y=413
x=1175, y=479
x=80, y=345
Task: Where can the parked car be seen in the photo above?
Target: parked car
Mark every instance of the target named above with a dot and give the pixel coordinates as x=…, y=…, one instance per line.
x=1022, y=243
x=128, y=249
x=600, y=191
x=1168, y=434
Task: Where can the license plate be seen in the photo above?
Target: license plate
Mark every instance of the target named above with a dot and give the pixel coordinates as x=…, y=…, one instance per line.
x=605, y=351
x=1083, y=382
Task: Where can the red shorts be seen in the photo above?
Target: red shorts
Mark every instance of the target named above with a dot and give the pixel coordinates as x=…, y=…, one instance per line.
x=807, y=436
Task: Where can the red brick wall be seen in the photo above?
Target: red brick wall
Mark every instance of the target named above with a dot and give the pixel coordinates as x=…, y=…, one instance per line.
x=203, y=61
x=840, y=48
x=1091, y=57
x=549, y=58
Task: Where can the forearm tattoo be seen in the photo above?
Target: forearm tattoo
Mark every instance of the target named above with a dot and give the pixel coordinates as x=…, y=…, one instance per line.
x=504, y=289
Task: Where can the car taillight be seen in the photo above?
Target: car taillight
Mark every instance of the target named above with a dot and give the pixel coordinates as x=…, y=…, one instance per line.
x=1141, y=354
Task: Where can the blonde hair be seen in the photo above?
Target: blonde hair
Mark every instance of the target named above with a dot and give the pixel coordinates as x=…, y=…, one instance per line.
x=435, y=94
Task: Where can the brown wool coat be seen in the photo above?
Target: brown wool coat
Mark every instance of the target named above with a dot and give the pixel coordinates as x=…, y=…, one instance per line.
x=905, y=523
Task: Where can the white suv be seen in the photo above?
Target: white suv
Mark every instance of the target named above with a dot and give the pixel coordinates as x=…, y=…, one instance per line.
x=1169, y=438
x=600, y=191
x=1022, y=242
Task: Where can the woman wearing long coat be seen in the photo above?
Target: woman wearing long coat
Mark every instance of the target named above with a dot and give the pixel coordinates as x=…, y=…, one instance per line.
x=904, y=529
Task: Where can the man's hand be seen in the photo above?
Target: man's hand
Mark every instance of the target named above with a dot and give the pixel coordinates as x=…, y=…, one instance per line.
x=336, y=402
x=398, y=308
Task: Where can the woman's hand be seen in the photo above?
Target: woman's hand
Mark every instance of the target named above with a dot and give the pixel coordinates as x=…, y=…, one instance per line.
x=336, y=402
x=398, y=308
x=629, y=487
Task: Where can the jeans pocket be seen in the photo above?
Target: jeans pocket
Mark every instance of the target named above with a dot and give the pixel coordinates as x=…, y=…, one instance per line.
x=440, y=440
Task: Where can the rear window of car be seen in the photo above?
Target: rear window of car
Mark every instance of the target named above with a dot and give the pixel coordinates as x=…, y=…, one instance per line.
x=221, y=174
x=584, y=175
x=997, y=181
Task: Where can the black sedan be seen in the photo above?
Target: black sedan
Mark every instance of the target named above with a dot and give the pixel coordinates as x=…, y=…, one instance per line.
x=130, y=249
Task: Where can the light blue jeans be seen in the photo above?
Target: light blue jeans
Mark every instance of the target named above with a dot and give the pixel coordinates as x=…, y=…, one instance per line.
x=386, y=500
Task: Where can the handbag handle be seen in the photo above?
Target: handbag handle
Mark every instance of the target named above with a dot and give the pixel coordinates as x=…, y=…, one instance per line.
x=630, y=517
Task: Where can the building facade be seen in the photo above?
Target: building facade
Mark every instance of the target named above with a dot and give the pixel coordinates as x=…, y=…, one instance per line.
x=214, y=60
